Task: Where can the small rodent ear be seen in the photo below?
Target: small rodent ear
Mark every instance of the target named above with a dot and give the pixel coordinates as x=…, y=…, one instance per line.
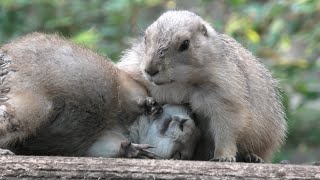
x=145, y=38
x=203, y=30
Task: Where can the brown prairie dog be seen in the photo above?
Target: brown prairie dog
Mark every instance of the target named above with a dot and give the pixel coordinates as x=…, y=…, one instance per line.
x=58, y=98
x=182, y=59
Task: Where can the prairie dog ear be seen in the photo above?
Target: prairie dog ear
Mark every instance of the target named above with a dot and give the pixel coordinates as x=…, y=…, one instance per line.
x=203, y=30
x=145, y=36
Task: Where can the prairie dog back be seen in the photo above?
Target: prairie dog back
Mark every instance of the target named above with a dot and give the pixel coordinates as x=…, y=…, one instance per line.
x=57, y=97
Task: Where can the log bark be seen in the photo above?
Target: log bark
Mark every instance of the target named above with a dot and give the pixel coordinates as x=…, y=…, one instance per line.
x=32, y=167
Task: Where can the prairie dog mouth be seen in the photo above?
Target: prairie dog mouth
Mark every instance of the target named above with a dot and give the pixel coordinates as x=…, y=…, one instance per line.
x=156, y=80
x=162, y=83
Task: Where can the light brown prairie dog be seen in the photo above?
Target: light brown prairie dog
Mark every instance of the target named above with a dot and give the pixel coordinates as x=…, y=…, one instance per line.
x=58, y=98
x=182, y=59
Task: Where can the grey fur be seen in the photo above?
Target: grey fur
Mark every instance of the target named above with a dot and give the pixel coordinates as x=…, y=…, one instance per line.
x=234, y=96
x=180, y=135
x=57, y=98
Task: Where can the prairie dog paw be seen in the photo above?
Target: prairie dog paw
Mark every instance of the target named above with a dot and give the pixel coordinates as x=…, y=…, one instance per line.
x=252, y=158
x=249, y=158
x=224, y=159
x=150, y=107
x=131, y=150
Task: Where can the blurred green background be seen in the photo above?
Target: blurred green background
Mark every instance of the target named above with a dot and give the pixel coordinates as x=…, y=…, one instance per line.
x=285, y=34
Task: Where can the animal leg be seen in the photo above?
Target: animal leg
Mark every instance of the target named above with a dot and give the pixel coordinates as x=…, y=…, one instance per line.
x=21, y=116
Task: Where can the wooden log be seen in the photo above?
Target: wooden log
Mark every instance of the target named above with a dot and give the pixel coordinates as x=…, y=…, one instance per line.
x=32, y=167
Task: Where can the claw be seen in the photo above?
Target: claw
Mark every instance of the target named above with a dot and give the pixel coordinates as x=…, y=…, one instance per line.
x=224, y=159
x=148, y=154
x=151, y=107
x=142, y=146
x=155, y=111
x=249, y=158
x=6, y=152
x=132, y=150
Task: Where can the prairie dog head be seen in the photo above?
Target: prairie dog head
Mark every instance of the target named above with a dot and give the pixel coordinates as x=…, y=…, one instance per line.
x=176, y=47
x=173, y=133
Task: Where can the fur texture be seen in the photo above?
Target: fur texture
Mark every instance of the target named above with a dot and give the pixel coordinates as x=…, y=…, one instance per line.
x=234, y=96
x=173, y=134
x=57, y=98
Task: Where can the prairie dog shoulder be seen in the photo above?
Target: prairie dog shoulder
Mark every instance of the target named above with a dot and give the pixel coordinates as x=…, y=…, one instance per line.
x=183, y=59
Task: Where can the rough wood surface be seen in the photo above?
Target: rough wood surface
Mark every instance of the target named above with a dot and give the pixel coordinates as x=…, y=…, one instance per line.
x=12, y=167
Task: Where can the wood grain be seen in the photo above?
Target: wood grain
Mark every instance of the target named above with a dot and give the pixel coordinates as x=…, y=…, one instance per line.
x=31, y=167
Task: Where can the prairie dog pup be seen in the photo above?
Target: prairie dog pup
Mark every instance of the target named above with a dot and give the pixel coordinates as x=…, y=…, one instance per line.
x=58, y=98
x=172, y=135
x=182, y=59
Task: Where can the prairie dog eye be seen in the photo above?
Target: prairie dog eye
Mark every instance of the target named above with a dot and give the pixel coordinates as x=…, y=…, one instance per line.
x=162, y=52
x=184, y=45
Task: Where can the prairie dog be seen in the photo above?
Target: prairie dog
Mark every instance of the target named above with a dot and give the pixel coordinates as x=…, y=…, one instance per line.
x=173, y=135
x=182, y=59
x=58, y=98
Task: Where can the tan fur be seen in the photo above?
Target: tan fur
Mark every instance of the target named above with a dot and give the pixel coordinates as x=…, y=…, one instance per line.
x=57, y=98
x=234, y=96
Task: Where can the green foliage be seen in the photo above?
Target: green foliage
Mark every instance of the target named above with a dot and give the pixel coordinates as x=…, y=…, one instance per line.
x=285, y=34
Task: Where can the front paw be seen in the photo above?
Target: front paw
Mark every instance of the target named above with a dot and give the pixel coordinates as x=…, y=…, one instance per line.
x=131, y=150
x=252, y=158
x=224, y=159
x=249, y=158
x=150, y=107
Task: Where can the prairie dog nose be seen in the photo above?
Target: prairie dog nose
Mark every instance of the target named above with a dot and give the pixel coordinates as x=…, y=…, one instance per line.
x=151, y=71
